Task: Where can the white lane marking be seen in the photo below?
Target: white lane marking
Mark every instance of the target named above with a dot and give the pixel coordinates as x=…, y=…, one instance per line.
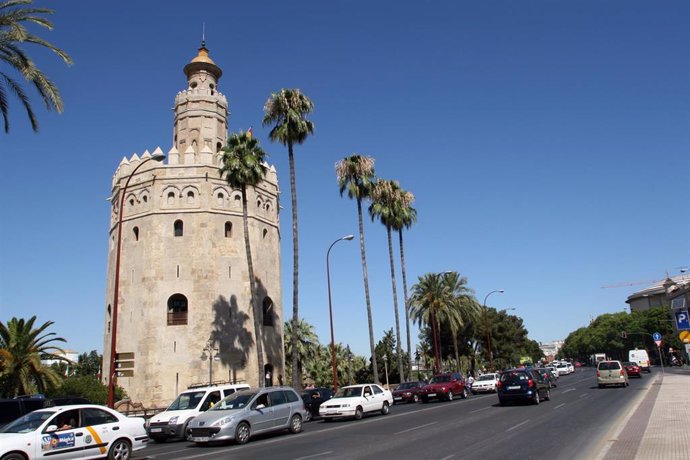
x=560, y=405
x=315, y=455
x=517, y=426
x=416, y=428
x=569, y=389
x=448, y=457
x=479, y=410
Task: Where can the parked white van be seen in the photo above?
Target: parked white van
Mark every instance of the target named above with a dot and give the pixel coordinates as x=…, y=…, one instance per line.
x=641, y=358
x=172, y=422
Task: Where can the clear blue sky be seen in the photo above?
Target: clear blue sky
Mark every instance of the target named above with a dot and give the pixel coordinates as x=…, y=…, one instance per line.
x=546, y=143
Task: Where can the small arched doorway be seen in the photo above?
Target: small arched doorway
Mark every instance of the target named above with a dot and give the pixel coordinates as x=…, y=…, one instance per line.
x=268, y=374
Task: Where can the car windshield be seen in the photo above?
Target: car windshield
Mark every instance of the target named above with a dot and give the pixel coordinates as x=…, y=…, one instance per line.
x=440, y=379
x=235, y=401
x=348, y=392
x=609, y=365
x=188, y=400
x=407, y=385
x=29, y=422
x=486, y=377
x=627, y=363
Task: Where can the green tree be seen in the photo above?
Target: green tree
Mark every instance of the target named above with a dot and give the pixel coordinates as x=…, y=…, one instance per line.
x=385, y=203
x=463, y=308
x=21, y=350
x=307, y=345
x=85, y=386
x=89, y=363
x=244, y=165
x=13, y=38
x=287, y=111
x=356, y=175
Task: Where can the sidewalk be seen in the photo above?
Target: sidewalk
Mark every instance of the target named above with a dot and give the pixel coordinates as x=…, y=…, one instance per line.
x=658, y=427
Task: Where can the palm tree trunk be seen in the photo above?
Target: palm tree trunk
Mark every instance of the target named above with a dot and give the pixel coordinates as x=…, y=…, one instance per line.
x=437, y=364
x=457, y=353
x=395, y=305
x=258, y=336
x=374, y=364
x=407, y=307
x=296, y=375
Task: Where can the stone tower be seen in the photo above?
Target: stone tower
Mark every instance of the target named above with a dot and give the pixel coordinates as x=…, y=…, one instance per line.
x=184, y=298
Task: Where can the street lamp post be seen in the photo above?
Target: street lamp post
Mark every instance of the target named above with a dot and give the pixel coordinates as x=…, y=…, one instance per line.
x=330, y=308
x=212, y=351
x=385, y=363
x=486, y=327
x=116, y=287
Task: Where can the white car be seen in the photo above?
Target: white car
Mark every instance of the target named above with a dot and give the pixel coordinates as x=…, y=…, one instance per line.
x=562, y=369
x=76, y=431
x=571, y=368
x=355, y=401
x=485, y=383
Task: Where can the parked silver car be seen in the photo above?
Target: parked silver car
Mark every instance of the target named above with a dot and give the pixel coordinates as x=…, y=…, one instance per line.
x=248, y=412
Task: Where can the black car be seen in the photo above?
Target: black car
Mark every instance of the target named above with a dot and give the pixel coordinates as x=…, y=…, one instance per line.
x=548, y=376
x=12, y=409
x=313, y=397
x=522, y=385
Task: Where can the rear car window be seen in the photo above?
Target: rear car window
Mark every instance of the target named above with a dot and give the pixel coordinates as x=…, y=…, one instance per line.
x=514, y=377
x=609, y=365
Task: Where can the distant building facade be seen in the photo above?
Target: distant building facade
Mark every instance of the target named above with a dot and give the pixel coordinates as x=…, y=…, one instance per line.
x=184, y=296
x=670, y=292
x=551, y=349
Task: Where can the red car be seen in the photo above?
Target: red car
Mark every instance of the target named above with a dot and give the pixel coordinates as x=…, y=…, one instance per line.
x=408, y=392
x=633, y=369
x=444, y=386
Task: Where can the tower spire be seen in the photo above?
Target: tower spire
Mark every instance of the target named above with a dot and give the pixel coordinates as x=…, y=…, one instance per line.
x=203, y=35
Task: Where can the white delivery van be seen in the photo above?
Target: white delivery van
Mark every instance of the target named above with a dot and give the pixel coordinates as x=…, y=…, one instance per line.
x=172, y=422
x=641, y=358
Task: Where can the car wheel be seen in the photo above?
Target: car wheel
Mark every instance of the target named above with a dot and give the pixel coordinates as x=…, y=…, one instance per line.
x=449, y=397
x=359, y=413
x=120, y=450
x=13, y=456
x=385, y=408
x=548, y=395
x=415, y=398
x=242, y=433
x=465, y=393
x=295, y=424
x=308, y=417
x=536, y=399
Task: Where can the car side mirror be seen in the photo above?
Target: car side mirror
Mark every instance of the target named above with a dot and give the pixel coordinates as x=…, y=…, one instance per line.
x=51, y=428
x=260, y=406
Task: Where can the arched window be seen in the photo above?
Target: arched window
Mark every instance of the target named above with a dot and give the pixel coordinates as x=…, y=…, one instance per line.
x=171, y=197
x=268, y=315
x=131, y=201
x=179, y=228
x=265, y=233
x=177, y=310
x=190, y=197
x=221, y=198
x=135, y=230
x=228, y=229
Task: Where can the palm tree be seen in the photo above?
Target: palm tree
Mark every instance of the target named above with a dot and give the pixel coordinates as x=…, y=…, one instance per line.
x=243, y=165
x=429, y=298
x=21, y=350
x=288, y=109
x=356, y=175
x=405, y=217
x=385, y=204
x=463, y=308
x=307, y=343
x=13, y=35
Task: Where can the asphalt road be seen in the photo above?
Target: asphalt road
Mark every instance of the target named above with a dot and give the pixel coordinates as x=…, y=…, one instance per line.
x=566, y=427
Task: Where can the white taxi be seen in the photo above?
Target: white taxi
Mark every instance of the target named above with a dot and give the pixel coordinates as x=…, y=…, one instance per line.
x=355, y=401
x=77, y=431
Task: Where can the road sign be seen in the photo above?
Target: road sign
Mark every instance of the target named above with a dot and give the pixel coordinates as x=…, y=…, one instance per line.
x=682, y=320
x=658, y=343
x=684, y=336
x=126, y=373
x=656, y=336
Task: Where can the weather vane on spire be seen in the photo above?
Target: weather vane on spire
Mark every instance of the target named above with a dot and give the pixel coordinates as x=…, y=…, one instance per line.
x=203, y=34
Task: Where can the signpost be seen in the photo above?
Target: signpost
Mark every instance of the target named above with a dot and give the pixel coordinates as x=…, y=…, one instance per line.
x=657, y=338
x=684, y=336
x=682, y=320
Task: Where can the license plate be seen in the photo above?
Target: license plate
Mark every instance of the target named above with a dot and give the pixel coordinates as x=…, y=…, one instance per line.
x=398, y=398
x=200, y=439
x=156, y=430
x=431, y=394
x=514, y=388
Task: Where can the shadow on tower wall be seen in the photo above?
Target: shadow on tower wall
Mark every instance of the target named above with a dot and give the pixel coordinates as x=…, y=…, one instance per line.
x=272, y=335
x=232, y=335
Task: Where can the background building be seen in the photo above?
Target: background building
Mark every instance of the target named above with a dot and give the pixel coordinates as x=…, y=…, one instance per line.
x=184, y=299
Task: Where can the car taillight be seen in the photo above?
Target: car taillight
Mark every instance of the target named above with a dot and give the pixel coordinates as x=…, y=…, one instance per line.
x=598, y=374
x=530, y=383
x=499, y=384
x=622, y=372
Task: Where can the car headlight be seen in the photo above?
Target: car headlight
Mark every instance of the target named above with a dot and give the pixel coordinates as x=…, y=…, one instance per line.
x=345, y=405
x=223, y=421
x=443, y=388
x=172, y=421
